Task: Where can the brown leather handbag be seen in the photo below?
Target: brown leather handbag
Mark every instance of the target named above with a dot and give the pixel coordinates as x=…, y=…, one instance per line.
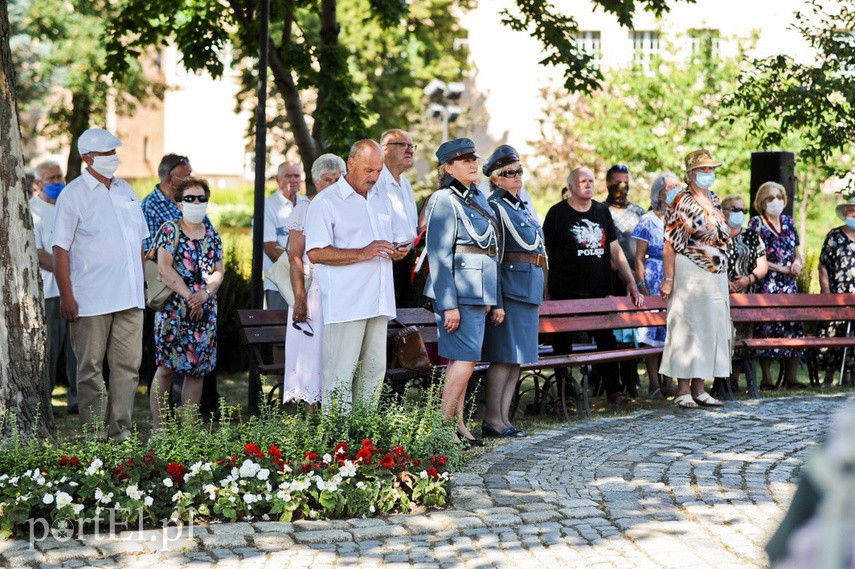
x=407, y=349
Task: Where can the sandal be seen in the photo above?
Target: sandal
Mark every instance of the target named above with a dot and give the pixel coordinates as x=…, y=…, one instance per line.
x=685, y=401
x=655, y=394
x=621, y=400
x=705, y=400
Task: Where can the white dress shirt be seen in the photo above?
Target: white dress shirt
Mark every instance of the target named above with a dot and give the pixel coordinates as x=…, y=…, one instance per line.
x=43, y=214
x=103, y=231
x=403, y=201
x=341, y=218
x=277, y=208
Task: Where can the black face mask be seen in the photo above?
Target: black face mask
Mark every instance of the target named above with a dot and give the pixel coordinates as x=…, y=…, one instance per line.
x=617, y=194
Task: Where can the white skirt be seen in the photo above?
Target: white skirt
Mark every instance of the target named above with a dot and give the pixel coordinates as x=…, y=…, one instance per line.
x=699, y=332
x=304, y=355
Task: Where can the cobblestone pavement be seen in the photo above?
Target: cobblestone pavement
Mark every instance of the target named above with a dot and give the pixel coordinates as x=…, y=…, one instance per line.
x=670, y=488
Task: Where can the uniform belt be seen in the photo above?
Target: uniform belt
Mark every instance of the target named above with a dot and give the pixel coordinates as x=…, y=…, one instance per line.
x=490, y=251
x=537, y=260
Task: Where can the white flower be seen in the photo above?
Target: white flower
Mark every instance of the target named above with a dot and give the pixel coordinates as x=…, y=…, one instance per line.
x=177, y=496
x=62, y=500
x=94, y=467
x=133, y=492
x=327, y=458
x=319, y=482
x=423, y=474
x=286, y=469
x=47, y=499
x=371, y=509
x=211, y=490
x=101, y=497
x=249, y=498
x=167, y=482
x=348, y=469
x=206, y=467
x=360, y=484
x=13, y=481
x=249, y=469
x=77, y=508
x=263, y=474
x=313, y=514
x=196, y=467
x=40, y=480
x=148, y=501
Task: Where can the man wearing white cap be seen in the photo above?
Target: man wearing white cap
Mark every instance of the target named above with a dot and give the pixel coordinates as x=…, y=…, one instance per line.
x=98, y=264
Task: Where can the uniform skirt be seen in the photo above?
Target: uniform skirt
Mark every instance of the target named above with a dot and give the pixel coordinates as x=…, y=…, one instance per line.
x=464, y=344
x=698, y=339
x=514, y=341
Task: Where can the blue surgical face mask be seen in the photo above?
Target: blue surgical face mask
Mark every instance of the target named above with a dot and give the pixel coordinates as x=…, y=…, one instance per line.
x=52, y=190
x=705, y=179
x=850, y=222
x=670, y=195
x=736, y=219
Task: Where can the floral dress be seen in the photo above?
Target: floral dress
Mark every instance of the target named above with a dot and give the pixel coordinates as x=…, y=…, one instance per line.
x=186, y=346
x=838, y=258
x=651, y=228
x=780, y=250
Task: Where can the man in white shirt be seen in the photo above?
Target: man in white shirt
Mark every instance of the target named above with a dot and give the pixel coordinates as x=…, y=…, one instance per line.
x=352, y=237
x=51, y=182
x=98, y=264
x=277, y=207
x=399, y=152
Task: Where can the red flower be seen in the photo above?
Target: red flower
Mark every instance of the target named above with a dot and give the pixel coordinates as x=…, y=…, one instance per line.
x=74, y=461
x=388, y=461
x=417, y=462
x=278, y=462
x=274, y=452
x=364, y=454
x=177, y=471
x=149, y=458
x=340, y=448
x=120, y=474
x=233, y=460
x=63, y=461
x=311, y=456
x=253, y=450
x=398, y=451
x=432, y=472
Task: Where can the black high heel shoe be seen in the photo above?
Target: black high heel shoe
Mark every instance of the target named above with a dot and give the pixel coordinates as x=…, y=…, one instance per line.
x=473, y=442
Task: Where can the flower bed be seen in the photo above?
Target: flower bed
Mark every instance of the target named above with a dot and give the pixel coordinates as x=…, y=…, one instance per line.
x=259, y=484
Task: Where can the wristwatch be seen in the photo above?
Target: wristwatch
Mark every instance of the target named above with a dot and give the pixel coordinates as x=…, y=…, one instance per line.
x=208, y=292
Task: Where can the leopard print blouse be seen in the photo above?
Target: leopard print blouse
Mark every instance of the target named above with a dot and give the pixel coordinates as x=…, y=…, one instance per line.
x=699, y=235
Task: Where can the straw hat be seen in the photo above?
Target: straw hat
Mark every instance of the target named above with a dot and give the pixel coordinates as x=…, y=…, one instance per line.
x=699, y=159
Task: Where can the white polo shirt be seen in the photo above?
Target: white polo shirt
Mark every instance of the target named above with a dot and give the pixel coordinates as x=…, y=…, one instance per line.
x=403, y=201
x=103, y=231
x=341, y=218
x=277, y=208
x=43, y=214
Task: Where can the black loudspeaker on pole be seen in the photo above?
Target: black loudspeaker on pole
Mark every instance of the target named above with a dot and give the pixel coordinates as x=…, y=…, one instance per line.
x=774, y=167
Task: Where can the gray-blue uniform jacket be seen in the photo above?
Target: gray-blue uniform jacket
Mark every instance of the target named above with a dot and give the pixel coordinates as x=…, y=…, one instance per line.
x=457, y=277
x=520, y=234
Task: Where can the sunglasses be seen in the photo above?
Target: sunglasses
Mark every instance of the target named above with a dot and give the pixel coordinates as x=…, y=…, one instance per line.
x=190, y=199
x=511, y=173
x=619, y=168
x=310, y=332
x=404, y=144
x=181, y=160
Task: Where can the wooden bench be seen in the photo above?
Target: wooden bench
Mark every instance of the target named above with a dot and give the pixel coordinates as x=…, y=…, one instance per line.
x=819, y=308
x=262, y=331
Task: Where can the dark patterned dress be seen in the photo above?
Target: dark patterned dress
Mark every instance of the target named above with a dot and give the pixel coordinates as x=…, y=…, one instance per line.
x=838, y=258
x=186, y=346
x=780, y=250
x=743, y=251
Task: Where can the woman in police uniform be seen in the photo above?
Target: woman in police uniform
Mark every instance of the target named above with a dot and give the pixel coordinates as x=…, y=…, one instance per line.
x=512, y=342
x=463, y=280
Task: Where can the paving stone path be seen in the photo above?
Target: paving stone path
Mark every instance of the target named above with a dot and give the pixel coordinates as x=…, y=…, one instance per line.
x=669, y=488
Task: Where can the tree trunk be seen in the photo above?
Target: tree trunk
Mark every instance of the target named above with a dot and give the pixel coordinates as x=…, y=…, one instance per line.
x=78, y=124
x=24, y=396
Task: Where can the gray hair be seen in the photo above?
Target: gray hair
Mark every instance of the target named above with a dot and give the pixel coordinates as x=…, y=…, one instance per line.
x=39, y=171
x=573, y=177
x=657, y=186
x=282, y=166
x=327, y=164
x=364, y=146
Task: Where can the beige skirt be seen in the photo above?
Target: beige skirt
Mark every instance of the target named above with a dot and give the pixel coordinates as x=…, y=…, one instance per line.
x=698, y=341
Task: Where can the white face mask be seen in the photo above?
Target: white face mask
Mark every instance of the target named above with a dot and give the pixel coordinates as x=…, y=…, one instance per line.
x=194, y=212
x=775, y=207
x=106, y=165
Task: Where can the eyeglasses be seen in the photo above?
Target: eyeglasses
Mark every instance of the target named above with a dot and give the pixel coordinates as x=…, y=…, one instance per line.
x=310, y=332
x=511, y=173
x=404, y=144
x=190, y=199
x=181, y=160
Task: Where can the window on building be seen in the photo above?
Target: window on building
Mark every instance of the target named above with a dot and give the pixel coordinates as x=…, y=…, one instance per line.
x=645, y=47
x=589, y=43
x=703, y=44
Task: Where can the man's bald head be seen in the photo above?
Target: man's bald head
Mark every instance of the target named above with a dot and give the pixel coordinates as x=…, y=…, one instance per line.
x=364, y=164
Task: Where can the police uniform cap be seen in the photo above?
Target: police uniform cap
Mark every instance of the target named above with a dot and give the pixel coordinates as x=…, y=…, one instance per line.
x=454, y=149
x=501, y=156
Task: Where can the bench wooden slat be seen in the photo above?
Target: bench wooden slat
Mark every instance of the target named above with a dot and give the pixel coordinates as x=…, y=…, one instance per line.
x=598, y=305
x=788, y=300
x=262, y=336
x=806, y=342
x=793, y=314
x=250, y=318
x=613, y=321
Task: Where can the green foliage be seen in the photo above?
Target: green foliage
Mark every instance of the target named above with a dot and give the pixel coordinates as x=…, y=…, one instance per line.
x=815, y=100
